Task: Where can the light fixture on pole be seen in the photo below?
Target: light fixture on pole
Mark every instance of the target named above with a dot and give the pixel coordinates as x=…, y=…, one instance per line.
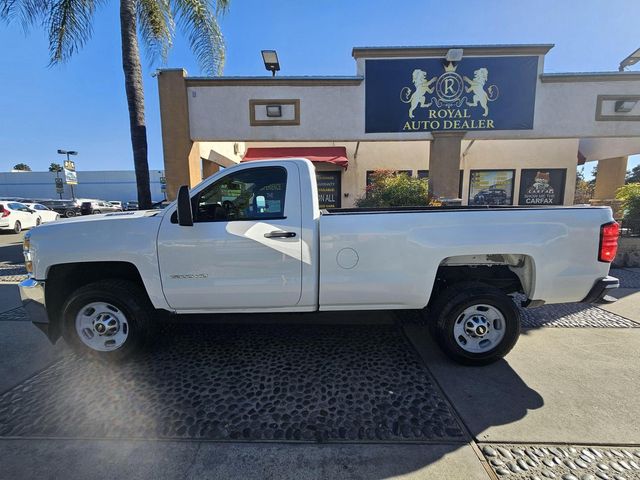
x=67, y=163
x=630, y=60
x=270, y=59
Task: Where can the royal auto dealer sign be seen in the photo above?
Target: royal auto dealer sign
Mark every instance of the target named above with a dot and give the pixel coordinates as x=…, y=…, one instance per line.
x=431, y=94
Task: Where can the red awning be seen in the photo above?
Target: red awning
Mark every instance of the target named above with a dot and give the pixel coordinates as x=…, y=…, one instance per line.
x=335, y=155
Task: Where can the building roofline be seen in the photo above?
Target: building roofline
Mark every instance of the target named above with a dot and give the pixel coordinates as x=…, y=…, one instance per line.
x=301, y=81
x=441, y=50
x=589, y=77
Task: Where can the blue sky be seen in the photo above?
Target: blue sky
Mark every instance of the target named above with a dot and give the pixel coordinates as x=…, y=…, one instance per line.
x=81, y=105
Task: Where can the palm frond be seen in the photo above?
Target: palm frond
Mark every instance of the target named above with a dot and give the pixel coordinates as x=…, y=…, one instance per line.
x=156, y=26
x=29, y=12
x=197, y=19
x=70, y=27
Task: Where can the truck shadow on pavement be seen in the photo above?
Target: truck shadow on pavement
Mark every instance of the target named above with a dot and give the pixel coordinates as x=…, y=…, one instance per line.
x=289, y=382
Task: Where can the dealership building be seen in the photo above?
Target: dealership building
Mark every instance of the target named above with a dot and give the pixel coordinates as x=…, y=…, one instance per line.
x=485, y=124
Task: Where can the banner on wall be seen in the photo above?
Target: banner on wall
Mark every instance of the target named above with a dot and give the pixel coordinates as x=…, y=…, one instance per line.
x=491, y=187
x=544, y=186
x=430, y=94
x=328, y=189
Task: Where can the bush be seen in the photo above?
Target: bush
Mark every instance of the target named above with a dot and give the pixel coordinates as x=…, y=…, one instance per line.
x=630, y=196
x=392, y=189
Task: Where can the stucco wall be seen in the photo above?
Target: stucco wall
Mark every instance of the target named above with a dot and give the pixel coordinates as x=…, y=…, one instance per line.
x=563, y=110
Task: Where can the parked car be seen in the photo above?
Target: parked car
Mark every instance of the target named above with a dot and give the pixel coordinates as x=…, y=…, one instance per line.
x=132, y=205
x=97, y=206
x=46, y=214
x=160, y=205
x=252, y=238
x=490, y=196
x=116, y=203
x=17, y=216
x=66, y=208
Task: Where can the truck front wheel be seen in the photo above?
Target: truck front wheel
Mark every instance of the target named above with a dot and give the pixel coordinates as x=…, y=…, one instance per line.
x=107, y=319
x=475, y=324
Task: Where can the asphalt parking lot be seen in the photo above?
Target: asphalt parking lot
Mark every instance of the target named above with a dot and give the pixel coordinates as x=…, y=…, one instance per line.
x=358, y=395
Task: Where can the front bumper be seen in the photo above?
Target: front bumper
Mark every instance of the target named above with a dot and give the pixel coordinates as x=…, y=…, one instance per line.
x=32, y=295
x=600, y=290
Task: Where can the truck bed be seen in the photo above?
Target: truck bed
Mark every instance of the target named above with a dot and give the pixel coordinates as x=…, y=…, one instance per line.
x=448, y=208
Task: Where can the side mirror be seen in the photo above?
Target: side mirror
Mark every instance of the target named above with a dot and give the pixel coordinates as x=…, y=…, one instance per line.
x=185, y=214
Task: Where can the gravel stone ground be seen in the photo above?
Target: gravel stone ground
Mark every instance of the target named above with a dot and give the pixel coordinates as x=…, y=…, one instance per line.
x=566, y=462
x=308, y=383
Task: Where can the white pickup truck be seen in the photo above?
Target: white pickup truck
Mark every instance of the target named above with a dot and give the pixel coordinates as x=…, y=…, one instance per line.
x=252, y=239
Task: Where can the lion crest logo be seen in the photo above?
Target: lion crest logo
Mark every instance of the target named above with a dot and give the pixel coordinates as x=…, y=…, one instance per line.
x=449, y=90
x=418, y=96
x=480, y=95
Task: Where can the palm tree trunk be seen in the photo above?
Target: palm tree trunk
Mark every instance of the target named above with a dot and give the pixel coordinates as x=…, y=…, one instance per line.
x=135, y=99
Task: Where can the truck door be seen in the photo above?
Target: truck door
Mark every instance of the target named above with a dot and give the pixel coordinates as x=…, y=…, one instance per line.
x=244, y=248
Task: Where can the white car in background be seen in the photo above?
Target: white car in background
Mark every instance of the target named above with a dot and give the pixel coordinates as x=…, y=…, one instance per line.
x=116, y=203
x=16, y=216
x=46, y=214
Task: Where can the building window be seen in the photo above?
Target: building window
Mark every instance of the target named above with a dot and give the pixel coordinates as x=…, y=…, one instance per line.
x=542, y=186
x=370, y=173
x=423, y=174
x=491, y=187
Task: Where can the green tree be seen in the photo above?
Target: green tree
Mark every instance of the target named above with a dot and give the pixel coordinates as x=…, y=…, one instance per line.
x=22, y=166
x=584, y=189
x=634, y=175
x=630, y=196
x=55, y=167
x=69, y=27
x=393, y=189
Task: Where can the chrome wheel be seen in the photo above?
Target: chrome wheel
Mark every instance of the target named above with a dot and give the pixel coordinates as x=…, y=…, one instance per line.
x=102, y=326
x=479, y=328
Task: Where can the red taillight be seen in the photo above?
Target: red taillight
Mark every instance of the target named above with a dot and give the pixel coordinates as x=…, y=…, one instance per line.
x=609, y=233
x=5, y=213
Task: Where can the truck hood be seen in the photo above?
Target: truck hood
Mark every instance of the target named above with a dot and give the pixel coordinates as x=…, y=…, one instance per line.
x=113, y=216
x=118, y=236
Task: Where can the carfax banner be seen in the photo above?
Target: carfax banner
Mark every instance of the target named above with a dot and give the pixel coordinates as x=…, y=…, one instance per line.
x=431, y=94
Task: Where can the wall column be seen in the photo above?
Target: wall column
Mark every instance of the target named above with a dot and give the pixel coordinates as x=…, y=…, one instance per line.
x=181, y=155
x=444, y=164
x=209, y=168
x=610, y=177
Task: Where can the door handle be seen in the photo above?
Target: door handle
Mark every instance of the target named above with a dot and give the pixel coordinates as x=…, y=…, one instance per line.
x=279, y=234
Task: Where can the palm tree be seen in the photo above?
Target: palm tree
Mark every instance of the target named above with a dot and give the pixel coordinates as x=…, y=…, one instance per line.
x=69, y=24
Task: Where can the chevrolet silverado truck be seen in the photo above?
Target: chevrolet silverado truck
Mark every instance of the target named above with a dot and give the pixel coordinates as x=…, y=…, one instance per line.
x=252, y=238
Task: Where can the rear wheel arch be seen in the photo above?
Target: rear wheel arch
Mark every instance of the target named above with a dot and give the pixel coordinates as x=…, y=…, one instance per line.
x=511, y=273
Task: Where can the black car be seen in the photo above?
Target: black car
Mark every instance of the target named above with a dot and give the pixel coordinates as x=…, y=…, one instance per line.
x=66, y=208
x=490, y=196
x=98, y=206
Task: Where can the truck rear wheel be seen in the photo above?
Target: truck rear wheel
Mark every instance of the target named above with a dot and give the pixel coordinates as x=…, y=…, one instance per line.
x=109, y=319
x=475, y=324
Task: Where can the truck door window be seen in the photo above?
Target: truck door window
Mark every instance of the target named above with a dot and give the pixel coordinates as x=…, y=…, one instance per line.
x=252, y=194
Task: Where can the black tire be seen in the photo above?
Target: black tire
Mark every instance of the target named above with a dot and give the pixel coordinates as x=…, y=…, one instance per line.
x=126, y=296
x=69, y=213
x=446, y=312
x=17, y=227
x=97, y=212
